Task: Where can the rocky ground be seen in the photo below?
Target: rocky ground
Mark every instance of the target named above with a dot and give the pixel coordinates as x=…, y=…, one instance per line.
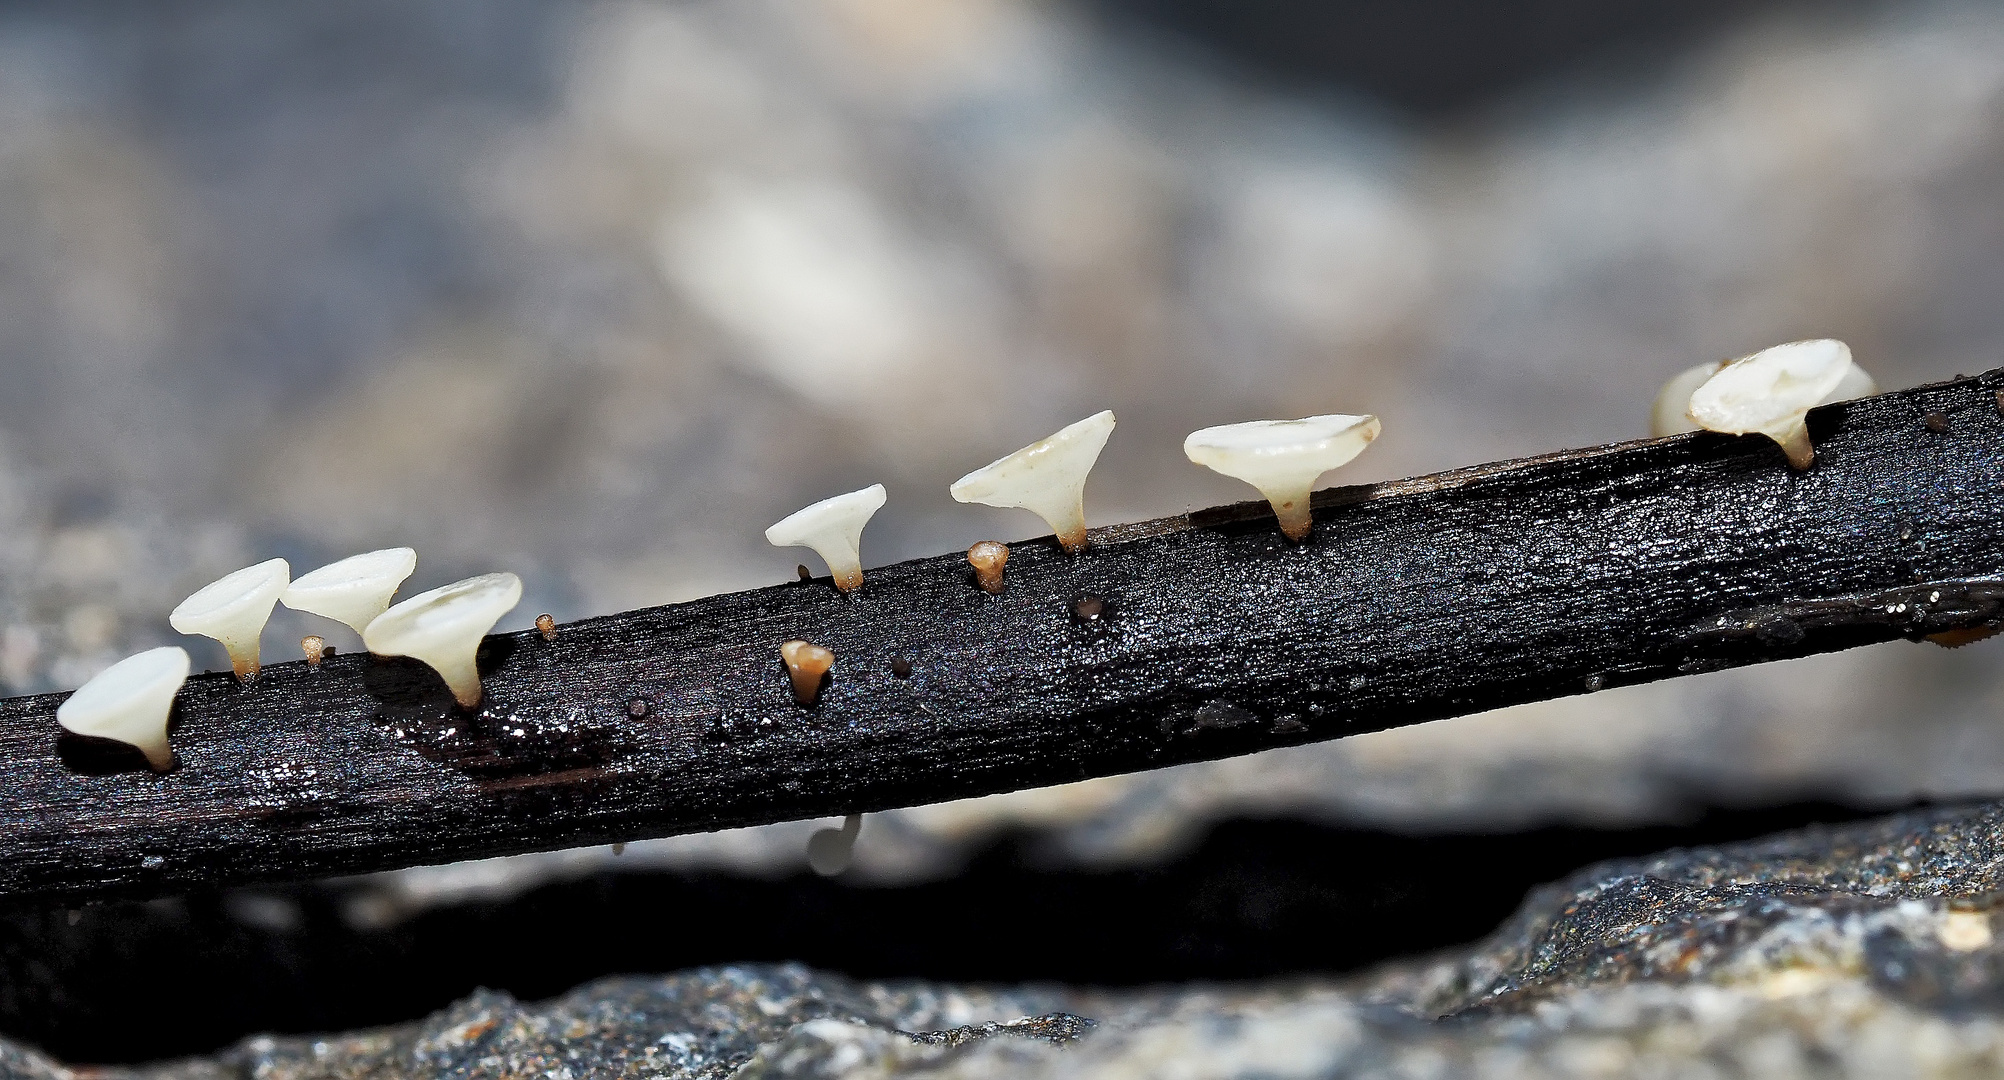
x=1867, y=950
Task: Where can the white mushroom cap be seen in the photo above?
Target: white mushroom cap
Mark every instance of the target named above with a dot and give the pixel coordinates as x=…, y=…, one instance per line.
x=1771, y=391
x=1670, y=413
x=233, y=609
x=834, y=529
x=354, y=590
x=1046, y=478
x=130, y=701
x=443, y=628
x=1282, y=458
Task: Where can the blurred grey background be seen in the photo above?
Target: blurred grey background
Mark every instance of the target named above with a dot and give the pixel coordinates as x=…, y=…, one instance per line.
x=595, y=292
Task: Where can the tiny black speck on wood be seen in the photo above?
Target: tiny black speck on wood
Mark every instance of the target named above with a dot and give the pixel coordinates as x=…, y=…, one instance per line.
x=1167, y=641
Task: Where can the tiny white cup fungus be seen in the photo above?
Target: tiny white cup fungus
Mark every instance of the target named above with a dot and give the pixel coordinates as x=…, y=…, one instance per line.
x=354, y=590
x=834, y=529
x=233, y=609
x=1046, y=478
x=829, y=851
x=444, y=627
x=130, y=702
x=1282, y=458
x=1771, y=392
x=1670, y=413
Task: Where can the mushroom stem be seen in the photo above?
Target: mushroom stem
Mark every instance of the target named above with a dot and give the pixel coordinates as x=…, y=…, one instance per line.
x=988, y=558
x=315, y=647
x=807, y=666
x=1068, y=525
x=1290, y=506
x=1794, y=440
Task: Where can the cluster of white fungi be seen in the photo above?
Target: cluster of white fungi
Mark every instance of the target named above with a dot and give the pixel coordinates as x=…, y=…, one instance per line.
x=131, y=701
x=1767, y=393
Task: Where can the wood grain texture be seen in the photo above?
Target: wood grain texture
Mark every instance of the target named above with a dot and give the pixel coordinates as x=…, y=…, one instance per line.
x=1169, y=641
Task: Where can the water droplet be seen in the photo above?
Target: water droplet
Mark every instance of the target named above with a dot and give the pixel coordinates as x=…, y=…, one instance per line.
x=152, y=862
x=1088, y=609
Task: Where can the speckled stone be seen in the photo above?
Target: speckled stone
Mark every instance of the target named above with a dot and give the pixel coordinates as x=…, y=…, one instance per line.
x=1863, y=951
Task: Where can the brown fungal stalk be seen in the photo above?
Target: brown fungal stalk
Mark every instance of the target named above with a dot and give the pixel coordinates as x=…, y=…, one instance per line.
x=807, y=666
x=988, y=557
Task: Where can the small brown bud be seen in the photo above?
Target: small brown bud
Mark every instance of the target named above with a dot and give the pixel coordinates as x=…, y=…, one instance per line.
x=315, y=647
x=547, y=625
x=988, y=558
x=807, y=664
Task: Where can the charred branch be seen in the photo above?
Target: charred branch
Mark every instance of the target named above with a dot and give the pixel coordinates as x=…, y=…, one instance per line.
x=1169, y=641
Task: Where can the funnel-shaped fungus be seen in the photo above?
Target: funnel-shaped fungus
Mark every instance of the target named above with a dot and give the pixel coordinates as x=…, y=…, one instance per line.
x=834, y=529
x=806, y=664
x=130, y=702
x=1046, y=478
x=233, y=609
x=1670, y=413
x=443, y=628
x=988, y=558
x=354, y=590
x=1282, y=458
x=1771, y=392
x=829, y=850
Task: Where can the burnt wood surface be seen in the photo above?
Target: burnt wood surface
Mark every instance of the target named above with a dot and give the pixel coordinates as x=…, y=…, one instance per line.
x=1169, y=641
